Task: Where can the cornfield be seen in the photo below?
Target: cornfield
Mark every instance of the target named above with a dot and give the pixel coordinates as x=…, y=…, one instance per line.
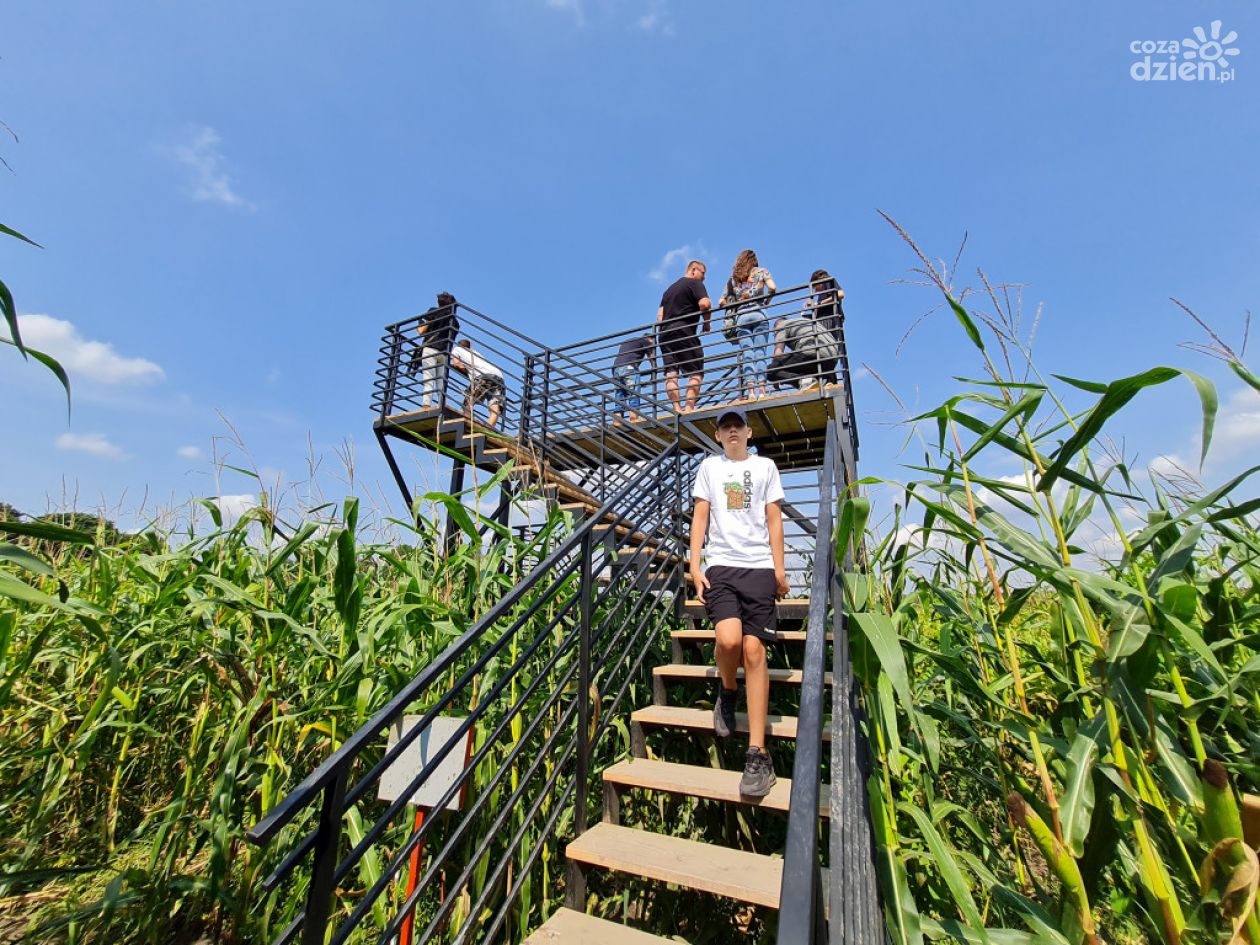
x=156, y=697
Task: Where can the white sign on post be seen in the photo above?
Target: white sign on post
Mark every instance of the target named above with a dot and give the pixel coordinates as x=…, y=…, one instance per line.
x=395, y=779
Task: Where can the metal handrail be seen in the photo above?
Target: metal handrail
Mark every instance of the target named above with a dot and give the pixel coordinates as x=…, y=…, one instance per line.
x=596, y=355
x=317, y=780
x=856, y=915
x=801, y=919
x=330, y=780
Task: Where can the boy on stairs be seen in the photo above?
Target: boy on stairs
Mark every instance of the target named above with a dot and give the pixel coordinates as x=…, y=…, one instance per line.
x=737, y=498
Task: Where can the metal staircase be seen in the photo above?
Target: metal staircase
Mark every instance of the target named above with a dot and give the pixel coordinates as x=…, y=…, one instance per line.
x=592, y=679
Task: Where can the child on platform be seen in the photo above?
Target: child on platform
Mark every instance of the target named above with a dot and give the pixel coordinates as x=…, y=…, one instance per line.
x=737, y=502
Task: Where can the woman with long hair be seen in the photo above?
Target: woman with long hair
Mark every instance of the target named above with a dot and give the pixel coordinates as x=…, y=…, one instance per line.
x=749, y=290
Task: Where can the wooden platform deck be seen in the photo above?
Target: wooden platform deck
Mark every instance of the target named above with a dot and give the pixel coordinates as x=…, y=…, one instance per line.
x=790, y=428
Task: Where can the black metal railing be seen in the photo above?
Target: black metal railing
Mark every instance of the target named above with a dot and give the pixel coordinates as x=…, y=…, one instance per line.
x=558, y=637
x=856, y=917
x=731, y=366
x=541, y=392
x=849, y=893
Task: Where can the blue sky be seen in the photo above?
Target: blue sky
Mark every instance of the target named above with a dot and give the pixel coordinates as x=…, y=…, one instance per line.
x=234, y=198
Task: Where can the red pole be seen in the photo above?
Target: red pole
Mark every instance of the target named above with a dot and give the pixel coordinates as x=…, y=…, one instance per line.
x=416, y=852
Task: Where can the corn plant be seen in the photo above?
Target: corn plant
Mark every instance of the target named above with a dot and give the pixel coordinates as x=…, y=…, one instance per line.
x=1062, y=741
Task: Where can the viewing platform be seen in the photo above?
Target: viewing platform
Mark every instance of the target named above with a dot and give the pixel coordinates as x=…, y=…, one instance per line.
x=559, y=404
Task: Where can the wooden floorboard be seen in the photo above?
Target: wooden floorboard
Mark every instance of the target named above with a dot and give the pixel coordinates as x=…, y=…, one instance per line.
x=714, y=784
x=567, y=927
x=747, y=877
x=670, y=716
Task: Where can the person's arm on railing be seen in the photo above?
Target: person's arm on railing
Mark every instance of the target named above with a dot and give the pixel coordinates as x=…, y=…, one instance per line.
x=700, y=525
x=774, y=524
x=707, y=307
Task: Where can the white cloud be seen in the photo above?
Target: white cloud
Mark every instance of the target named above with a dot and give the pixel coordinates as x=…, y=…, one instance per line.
x=657, y=19
x=991, y=498
x=1237, y=426
x=210, y=181
x=1235, y=441
x=189, y=452
x=95, y=360
x=232, y=507
x=672, y=262
x=575, y=7
x=93, y=443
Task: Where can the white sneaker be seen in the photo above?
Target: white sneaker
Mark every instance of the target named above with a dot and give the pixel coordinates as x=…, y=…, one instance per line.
x=808, y=385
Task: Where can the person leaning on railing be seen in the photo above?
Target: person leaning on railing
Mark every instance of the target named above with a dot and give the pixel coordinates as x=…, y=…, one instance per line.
x=807, y=345
x=747, y=323
x=627, y=379
x=436, y=331
x=485, y=381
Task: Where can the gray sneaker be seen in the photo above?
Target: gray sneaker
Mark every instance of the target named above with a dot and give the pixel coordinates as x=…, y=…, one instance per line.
x=724, y=711
x=758, y=774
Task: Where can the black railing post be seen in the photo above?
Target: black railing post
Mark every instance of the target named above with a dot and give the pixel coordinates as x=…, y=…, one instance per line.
x=545, y=420
x=327, y=840
x=603, y=446
x=527, y=396
x=682, y=521
x=576, y=894
x=451, y=535
x=391, y=375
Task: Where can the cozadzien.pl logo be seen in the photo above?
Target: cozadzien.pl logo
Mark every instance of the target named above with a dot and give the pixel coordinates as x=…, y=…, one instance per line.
x=1207, y=56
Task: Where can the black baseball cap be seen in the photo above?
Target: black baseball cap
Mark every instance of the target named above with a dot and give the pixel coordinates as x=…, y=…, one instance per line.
x=734, y=412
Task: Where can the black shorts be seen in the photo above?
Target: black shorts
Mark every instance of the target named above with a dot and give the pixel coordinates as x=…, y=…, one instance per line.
x=682, y=354
x=746, y=593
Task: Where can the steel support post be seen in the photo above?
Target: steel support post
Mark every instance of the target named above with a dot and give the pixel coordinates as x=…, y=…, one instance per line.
x=324, y=867
x=577, y=881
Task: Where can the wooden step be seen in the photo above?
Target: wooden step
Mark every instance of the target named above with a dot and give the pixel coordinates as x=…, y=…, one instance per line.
x=706, y=636
x=790, y=608
x=662, y=554
x=567, y=927
x=779, y=726
x=689, y=671
x=695, y=781
x=747, y=877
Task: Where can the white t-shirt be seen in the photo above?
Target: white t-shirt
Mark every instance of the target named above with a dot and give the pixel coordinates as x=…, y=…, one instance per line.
x=737, y=492
x=475, y=363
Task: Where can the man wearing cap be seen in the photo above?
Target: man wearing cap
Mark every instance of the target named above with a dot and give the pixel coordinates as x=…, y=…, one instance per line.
x=737, y=502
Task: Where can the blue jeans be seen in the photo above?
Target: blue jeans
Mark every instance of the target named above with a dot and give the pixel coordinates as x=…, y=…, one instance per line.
x=752, y=329
x=626, y=390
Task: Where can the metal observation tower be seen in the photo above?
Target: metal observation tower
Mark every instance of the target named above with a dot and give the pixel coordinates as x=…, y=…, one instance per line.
x=566, y=737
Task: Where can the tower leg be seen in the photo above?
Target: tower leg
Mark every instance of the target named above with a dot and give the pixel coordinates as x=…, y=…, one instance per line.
x=457, y=486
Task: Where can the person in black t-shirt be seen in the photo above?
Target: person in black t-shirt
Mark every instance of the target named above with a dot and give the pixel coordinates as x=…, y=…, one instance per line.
x=436, y=331
x=677, y=320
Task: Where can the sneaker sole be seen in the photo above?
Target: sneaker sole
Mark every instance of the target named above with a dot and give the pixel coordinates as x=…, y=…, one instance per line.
x=769, y=785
